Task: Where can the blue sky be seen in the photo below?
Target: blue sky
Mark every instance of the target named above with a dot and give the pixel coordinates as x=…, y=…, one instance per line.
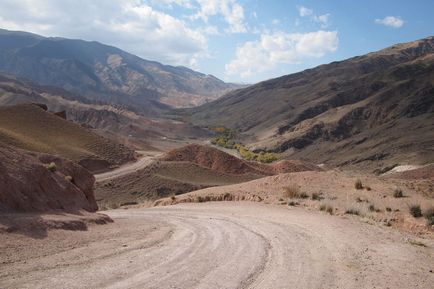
x=235, y=40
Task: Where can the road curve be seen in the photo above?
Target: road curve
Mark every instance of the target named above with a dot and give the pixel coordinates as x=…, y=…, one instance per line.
x=233, y=245
x=126, y=169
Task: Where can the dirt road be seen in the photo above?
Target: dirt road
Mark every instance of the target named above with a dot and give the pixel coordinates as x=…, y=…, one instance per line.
x=144, y=161
x=219, y=245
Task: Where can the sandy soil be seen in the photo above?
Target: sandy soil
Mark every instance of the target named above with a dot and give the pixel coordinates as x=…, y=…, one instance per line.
x=219, y=245
x=334, y=188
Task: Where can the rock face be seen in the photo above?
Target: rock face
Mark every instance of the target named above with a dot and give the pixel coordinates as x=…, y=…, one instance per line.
x=30, y=183
x=369, y=111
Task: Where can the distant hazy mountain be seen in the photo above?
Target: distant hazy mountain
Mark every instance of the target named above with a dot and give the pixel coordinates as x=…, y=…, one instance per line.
x=105, y=73
x=376, y=109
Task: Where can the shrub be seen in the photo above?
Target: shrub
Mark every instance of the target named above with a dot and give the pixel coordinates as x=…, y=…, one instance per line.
x=388, y=209
x=398, y=193
x=415, y=210
x=358, y=184
x=429, y=216
x=303, y=195
x=173, y=197
x=352, y=211
x=326, y=207
x=316, y=197
x=52, y=167
x=291, y=192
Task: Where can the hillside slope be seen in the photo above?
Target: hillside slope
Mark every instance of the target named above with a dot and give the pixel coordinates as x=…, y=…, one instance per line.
x=372, y=111
x=105, y=73
x=32, y=128
x=27, y=185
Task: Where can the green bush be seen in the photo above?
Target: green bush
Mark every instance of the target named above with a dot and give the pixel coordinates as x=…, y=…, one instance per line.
x=52, y=167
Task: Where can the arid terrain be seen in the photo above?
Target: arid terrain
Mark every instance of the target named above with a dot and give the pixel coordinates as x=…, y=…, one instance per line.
x=119, y=172
x=220, y=245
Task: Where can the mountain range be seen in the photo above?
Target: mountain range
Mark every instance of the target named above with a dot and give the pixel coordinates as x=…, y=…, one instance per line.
x=374, y=110
x=105, y=74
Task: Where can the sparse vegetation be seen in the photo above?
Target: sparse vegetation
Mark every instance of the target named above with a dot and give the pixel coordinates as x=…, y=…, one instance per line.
x=69, y=178
x=291, y=192
x=327, y=207
x=429, y=216
x=353, y=211
x=52, y=167
x=397, y=193
x=225, y=141
x=358, y=184
x=316, y=197
x=415, y=210
x=372, y=208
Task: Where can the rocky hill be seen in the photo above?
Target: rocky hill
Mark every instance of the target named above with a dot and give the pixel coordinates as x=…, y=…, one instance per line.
x=105, y=73
x=31, y=127
x=29, y=184
x=373, y=111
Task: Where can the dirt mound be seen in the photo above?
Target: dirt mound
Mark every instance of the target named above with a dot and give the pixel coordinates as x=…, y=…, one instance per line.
x=33, y=182
x=211, y=158
x=220, y=161
x=31, y=128
x=162, y=179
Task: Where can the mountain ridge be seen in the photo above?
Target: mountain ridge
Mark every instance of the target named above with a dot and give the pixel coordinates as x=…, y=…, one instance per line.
x=312, y=113
x=105, y=73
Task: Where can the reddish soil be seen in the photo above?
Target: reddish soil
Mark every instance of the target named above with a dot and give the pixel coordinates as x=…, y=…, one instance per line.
x=217, y=160
x=27, y=184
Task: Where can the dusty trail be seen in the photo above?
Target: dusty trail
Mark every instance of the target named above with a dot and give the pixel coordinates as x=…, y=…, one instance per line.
x=220, y=245
x=126, y=169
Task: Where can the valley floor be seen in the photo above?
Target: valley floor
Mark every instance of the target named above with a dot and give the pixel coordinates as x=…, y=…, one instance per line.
x=219, y=245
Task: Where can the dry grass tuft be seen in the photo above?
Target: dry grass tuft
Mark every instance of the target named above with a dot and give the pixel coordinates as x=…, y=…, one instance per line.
x=327, y=207
x=291, y=192
x=429, y=216
x=358, y=184
x=398, y=193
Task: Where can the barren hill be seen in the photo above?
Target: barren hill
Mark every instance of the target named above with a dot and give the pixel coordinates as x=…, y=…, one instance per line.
x=30, y=127
x=373, y=111
x=28, y=184
x=105, y=73
x=183, y=170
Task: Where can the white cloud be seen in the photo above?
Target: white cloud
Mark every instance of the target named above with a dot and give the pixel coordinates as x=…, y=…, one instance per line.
x=322, y=19
x=232, y=12
x=391, y=21
x=270, y=50
x=127, y=24
x=275, y=22
x=303, y=11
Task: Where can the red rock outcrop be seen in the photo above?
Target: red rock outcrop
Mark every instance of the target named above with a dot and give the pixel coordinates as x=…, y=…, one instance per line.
x=29, y=184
